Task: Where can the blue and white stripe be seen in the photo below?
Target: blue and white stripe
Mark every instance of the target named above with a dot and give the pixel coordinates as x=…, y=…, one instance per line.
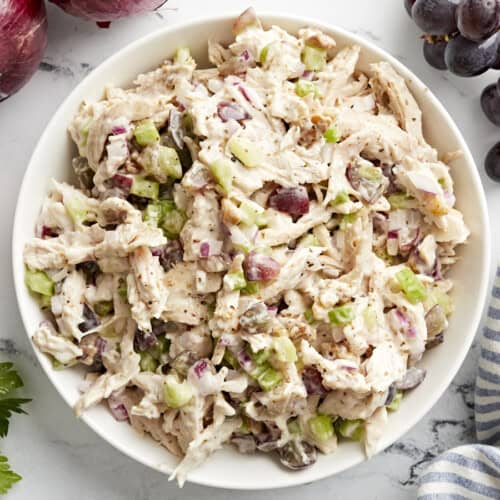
x=473, y=471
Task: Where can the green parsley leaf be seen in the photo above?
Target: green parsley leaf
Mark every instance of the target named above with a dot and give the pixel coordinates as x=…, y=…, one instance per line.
x=7, y=407
x=7, y=476
x=9, y=379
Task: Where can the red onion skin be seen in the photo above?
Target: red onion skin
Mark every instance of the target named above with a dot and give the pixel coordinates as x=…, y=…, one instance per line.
x=104, y=11
x=23, y=39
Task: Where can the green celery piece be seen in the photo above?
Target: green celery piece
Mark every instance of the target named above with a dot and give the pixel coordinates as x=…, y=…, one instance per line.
x=172, y=223
x=285, y=350
x=222, y=170
x=269, y=379
x=175, y=393
x=331, y=135
x=161, y=347
x=246, y=151
x=104, y=307
x=147, y=362
x=44, y=301
x=305, y=87
x=396, y=402
x=294, y=427
x=341, y=315
x=370, y=172
x=309, y=240
x=145, y=188
x=309, y=316
x=370, y=317
x=437, y=296
x=314, y=58
x=411, y=286
x=251, y=288
x=252, y=213
x=146, y=133
x=230, y=359
x=347, y=220
x=401, y=200
x=351, y=429
x=153, y=214
x=341, y=198
x=182, y=55
x=77, y=210
x=263, y=54
x=260, y=357
x=321, y=427
x=235, y=281
x=122, y=289
x=39, y=282
x=169, y=162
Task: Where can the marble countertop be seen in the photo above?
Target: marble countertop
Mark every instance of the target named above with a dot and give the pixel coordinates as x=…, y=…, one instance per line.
x=59, y=456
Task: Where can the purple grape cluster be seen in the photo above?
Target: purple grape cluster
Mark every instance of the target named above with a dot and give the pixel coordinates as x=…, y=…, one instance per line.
x=461, y=36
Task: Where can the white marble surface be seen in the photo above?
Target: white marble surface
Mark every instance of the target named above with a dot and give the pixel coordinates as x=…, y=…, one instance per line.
x=59, y=456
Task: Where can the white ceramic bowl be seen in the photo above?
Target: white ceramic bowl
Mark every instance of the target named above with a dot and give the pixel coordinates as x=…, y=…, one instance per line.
x=227, y=468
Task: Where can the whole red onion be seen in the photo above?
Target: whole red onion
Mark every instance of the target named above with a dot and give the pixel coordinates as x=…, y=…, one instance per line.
x=23, y=38
x=105, y=11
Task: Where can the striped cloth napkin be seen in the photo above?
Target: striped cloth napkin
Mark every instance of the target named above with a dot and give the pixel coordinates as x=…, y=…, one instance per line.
x=473, y=471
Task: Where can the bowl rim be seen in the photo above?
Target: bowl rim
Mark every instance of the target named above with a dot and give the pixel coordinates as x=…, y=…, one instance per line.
x=275, y=18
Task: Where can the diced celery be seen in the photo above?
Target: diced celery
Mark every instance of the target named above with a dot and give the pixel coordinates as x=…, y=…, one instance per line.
x=309, y=316
x=269, y=379
x=370, y=317
x=104, y=307
x=169, y=162
x=122, y=289
x=396, y=402
x=437, y=296
x=331, y=135
x=172, y=223
x=341, y=198
x=347, y=221
x=230, y=359
x=442, y=182
x=412, y=287
x=175, y=393
x=39, y=282
x=222, y=170
x=305, y=87
x=146, y=133
x=294, y=427
x=285, y=350
x=263, y=54
x=314, y=58
x=369, y=172
x=401, y=200
x=246, y=151
x=341, y=315
x=145, y=188
x=147, y=362
x=153, y=214
x=260, y=357
x=309, y=240
x=235, y=281
x=321, y=427
x=84, y=132
x=182, y=56
x=45, y=301
x=252, y=213
x=251, y=288
x=244, y=427
x=161, y=347
x=351, y=429
x=77, y=210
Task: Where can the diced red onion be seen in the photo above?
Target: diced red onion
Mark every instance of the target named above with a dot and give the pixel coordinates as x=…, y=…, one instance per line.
x=144, y=340
x=118, y=129
x=401, y=323
x=101, y=345
x=393, y=234
x=307, y=75
x=117, y=408
x=48, y=232
x=244, y=359
x=200, y=367
x=204, y=249
x=123, y=182
x=203, y=377
x=231, y=111
x=260, y=267
x=273, y=310
x=245, y=55
x=245, y=94
x=293, y=201
x=156, y=251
